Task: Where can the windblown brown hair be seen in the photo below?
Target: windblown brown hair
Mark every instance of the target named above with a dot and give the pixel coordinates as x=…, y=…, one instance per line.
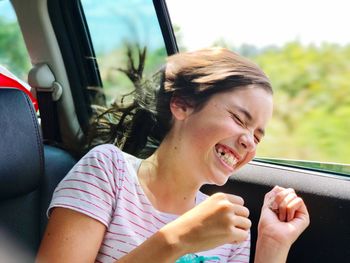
x=193, y=77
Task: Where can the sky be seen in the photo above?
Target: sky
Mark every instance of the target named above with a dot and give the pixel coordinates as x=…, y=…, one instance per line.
x=114, y=22
x=255, y=22
x=261, y=23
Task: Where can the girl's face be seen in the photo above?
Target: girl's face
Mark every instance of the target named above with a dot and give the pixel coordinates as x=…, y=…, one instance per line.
x=223, y=135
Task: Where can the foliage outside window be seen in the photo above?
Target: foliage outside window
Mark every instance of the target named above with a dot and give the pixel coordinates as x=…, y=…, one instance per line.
x=309, y=71
x=13, y=53
x=114, y=27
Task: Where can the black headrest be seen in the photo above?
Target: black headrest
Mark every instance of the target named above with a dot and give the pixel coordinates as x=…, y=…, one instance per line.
x=21, y=149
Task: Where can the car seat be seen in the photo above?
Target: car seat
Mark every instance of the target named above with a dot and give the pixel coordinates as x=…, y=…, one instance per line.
x=29, y=172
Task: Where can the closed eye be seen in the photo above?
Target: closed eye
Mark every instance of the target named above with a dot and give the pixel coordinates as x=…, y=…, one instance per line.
x=237, y=119
x=240, y=122
x=257, y=139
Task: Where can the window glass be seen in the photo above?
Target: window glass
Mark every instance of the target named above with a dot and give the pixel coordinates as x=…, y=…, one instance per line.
x=13, y=53
x=116, y=25
x=304, y=47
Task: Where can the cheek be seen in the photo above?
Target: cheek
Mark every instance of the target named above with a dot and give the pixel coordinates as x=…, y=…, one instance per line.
x=251, y=155
x=248, y=158
x=205, y=129
x=204, y=137
x=208, y=130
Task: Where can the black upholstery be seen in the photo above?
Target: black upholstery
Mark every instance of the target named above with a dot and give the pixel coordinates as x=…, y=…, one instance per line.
x=21, y=154
x=57, y=164
x=21, y=168
x=29, y=172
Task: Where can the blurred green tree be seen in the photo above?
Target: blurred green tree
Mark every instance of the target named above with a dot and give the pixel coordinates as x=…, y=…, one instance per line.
x=13, y=53
x=312, y=102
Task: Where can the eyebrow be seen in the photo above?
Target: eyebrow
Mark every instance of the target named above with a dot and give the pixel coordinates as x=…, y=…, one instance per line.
x=250, y=118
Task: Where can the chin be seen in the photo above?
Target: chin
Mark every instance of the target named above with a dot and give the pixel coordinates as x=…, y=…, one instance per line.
x=220, y=179
x=221, y=183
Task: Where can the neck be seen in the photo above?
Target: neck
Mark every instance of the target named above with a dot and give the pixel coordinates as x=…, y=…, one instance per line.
x=167, y=181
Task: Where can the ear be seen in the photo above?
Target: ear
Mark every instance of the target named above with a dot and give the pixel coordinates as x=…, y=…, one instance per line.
x=180, y=108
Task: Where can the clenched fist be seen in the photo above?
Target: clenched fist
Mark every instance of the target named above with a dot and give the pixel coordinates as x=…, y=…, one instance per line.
x=220, y=219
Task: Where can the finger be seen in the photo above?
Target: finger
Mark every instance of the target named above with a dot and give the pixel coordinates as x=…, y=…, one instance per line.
x=235, y=199
x=241, y=222
x=283, y=206
x=238, y=235
x=301, y=219
x=279, y=204
x=282, y=214
x=282, y=195
x=270, y=196
x=302, y=213
x=240, y=210
x=292, y=207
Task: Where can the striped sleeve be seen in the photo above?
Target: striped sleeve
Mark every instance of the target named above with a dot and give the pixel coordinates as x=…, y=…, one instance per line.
x=93, y=184
x=240, y=253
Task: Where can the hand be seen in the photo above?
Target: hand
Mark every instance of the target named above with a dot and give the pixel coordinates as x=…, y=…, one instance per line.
x=220, y=219
x=284, y=216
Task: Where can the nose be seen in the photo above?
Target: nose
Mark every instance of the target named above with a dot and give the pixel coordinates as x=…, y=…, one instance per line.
x=246, y=141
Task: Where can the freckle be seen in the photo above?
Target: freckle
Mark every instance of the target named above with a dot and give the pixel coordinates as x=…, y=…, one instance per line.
x=175, y=148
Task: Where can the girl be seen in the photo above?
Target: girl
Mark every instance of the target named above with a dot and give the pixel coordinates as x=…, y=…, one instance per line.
x=210, y=114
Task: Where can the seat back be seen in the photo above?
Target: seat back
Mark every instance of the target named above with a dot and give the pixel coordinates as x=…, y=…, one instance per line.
x=57, y=164
x=21, y=169
x=29, y=173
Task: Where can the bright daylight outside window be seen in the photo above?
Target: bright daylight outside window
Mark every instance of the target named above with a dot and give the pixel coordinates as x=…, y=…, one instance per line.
x=116, y=26
x=304, y=47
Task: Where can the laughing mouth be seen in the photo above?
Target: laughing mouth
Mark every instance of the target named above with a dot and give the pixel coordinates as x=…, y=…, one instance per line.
x=226, y=155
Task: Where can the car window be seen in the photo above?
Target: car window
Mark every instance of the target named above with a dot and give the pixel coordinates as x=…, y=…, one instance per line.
x=307, y=58
x=13, y=53
x=116, y=26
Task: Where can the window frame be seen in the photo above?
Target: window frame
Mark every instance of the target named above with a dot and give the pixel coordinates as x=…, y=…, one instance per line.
x=73, y=37
x=166, y=26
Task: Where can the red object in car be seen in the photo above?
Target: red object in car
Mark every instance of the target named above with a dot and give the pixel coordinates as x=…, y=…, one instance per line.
x=7, y=79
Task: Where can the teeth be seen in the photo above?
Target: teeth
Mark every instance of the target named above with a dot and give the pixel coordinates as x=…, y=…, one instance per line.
x=227, y=157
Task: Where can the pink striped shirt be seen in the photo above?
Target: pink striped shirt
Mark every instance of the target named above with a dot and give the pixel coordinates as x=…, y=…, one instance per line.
x=104, y=185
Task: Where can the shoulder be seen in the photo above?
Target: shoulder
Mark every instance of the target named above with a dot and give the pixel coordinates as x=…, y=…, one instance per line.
x=132, y=162
x=105, y=160
x=106, y=150
x=112, y=159
x=93, y=184
x=105, y=155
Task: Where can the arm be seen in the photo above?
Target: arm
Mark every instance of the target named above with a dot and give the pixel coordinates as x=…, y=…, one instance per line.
x=71, y=234
x=268, y=251
x=283, y=218
x=157, y=248
x=70, y=237
x=75, y=237
x=218, y=220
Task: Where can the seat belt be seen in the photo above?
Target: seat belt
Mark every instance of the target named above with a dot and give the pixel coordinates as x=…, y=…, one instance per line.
x=48, y=92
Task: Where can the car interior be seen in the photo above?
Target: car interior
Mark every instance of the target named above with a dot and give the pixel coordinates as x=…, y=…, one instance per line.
x=38, y=149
